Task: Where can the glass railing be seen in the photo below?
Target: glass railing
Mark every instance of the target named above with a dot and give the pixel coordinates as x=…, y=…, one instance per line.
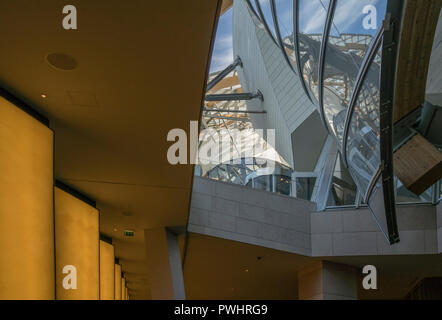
x=252, y=172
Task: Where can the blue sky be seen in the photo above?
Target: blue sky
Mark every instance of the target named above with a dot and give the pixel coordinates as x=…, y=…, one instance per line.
x=222, y=51
x=312, y=16
x=348, y=18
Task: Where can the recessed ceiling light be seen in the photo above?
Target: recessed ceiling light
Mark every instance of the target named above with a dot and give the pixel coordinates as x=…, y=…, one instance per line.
x=43, y=95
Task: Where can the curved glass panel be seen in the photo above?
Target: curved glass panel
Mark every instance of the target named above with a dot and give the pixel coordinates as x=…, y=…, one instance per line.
x=252, y=4
x=305, y=187
x=376, y=204
x=363, y=145
x=263, y=183
x=311, y=21
x=363, y=140
x=440, y=189
x=353, y=27
x=403, y=195
x=342, y=190
x=267, y=13
x=282, y=184
x=284, y=15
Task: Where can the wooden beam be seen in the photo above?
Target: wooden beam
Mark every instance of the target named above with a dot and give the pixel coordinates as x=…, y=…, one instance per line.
x=225, y=83
x=418, y=164
x=416, y=41
x=227, y=4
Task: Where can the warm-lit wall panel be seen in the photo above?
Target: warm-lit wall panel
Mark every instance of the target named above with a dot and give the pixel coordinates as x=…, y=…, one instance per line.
x=107, y=272
x=26, y=206
x=117, y=282
x=123, y=288
x=76, y=244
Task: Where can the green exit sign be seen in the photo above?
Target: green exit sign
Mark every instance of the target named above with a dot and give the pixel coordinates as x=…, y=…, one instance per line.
x=128, y=233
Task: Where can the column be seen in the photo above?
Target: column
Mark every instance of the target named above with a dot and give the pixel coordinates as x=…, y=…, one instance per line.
x=164, y=264
x=77, y=248
x=107, y=272
x=26, y=206
x=123, y=288
x=117, y=281
x=325, y=280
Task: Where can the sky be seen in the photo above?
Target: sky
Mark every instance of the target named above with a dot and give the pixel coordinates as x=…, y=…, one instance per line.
x=222, y=51
x=312, y=16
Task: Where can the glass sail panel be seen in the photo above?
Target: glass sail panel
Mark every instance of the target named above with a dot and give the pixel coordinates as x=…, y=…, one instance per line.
x=311, y=21
x=376, y=205
x=363, y=140
x=284, y=15
x=267, y=16
x=352, y=29
x=363, y=150
x=342, y=189
x=252, y=4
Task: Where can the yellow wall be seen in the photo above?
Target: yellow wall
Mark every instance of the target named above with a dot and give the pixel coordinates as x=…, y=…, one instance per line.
x=107, y=272
x=26, y=206
x=117, y=282
x=77, y=244
x=123, y=289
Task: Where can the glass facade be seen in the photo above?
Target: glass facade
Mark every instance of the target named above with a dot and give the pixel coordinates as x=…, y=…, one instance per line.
x=363, y=138
x=252, y=4
x=346, y=47
x=246, y=158
x=283, y=18
x=276, y=180
x=337, y=48
x=343, y=190
x=305, y=187
x=309, y=40
x=265, y=11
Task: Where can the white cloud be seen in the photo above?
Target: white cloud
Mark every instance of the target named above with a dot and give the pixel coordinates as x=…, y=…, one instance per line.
x=222, y=53
x=314, y=14
x=221, y=59
x=225, y=41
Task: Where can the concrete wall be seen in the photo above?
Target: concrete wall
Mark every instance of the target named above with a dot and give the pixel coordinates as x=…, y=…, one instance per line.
x=252, y=216
x=265, y=68
x=323, y=280
x=354, y=232
x=270, y=220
